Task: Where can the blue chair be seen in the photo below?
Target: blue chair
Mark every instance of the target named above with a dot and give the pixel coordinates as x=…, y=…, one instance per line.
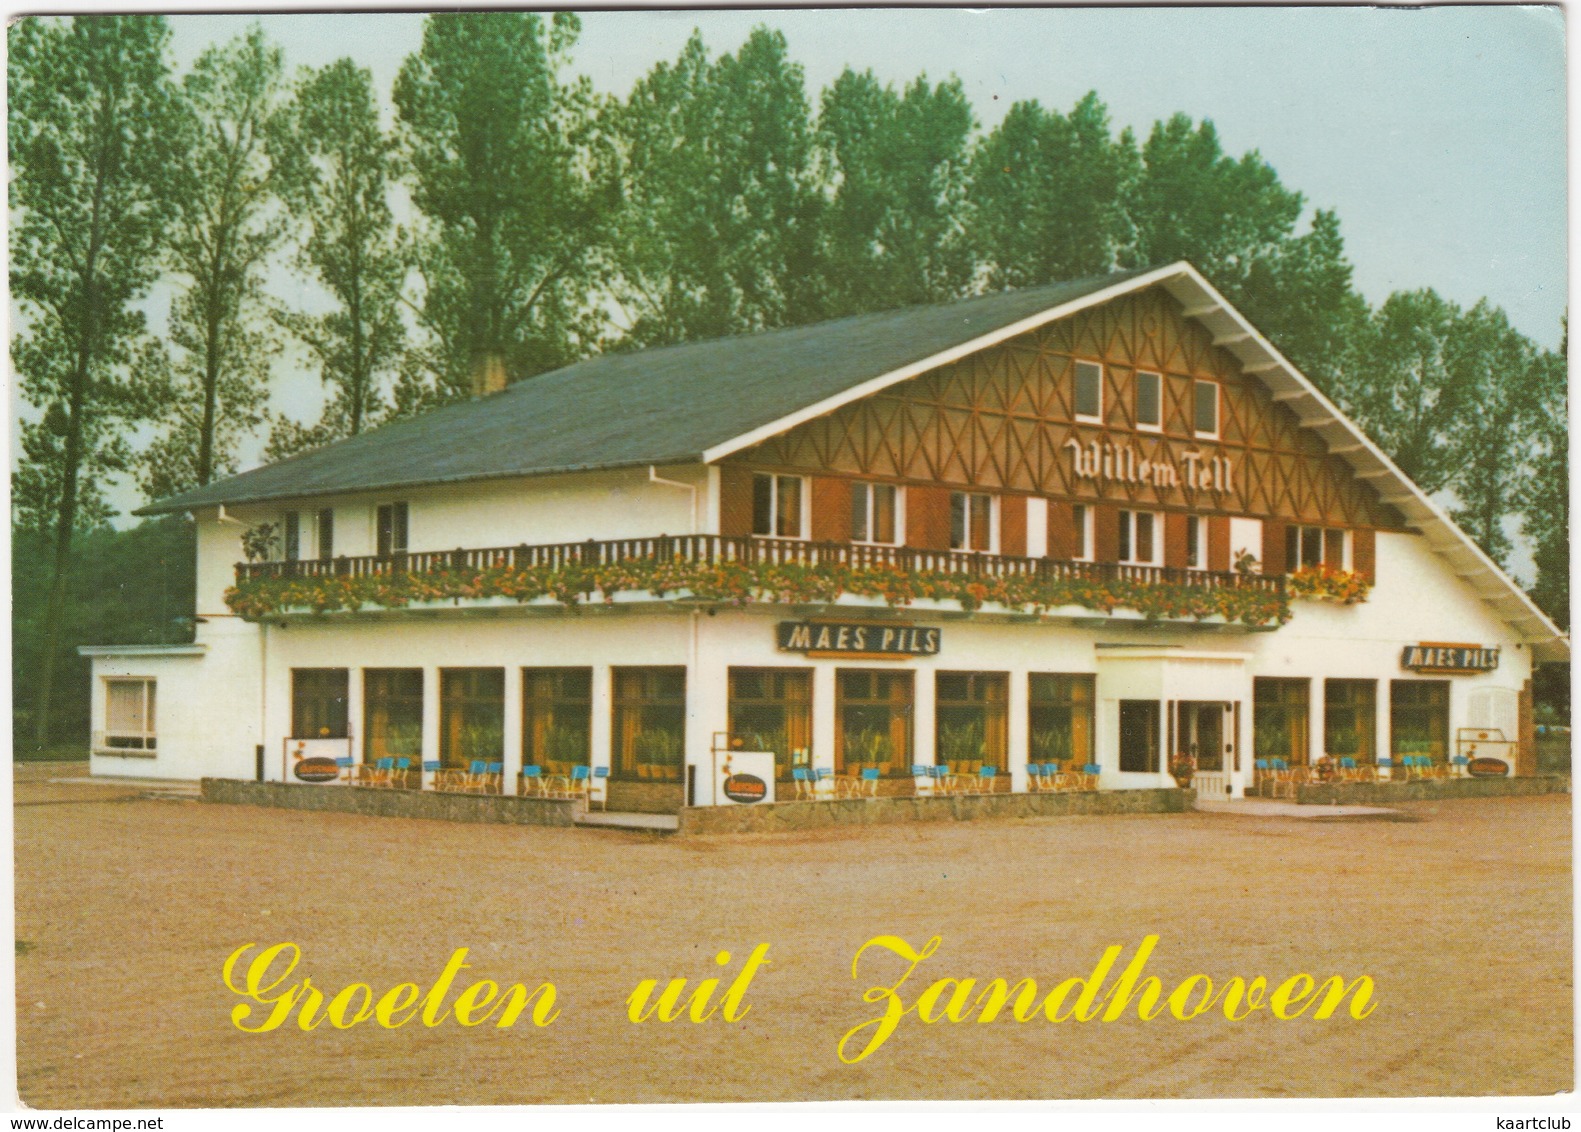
x=400, y=774
x=598, y=788
x=1035, y=781
x=1089, y=776
x=802, y=777
x=944, y=779
x=492, y=780
x=533, y=781
x=985, y=779
x=1459, y=765
x=921, y=780
x=1261, y=773
x=867, y=785
x=823, y=784
x=576, y=785
x=347, y=767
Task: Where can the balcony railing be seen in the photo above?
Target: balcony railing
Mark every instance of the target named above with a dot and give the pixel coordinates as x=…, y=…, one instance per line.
x=751, y=550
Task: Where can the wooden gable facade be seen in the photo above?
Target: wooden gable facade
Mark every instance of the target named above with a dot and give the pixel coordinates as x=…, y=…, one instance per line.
x=1004, y=421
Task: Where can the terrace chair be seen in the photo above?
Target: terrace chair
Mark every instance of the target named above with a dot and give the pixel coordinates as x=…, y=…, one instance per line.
x=986, y=780
x=944, y=780
x=577, y=782
x=1458, y=765
x=1283, y=781
x=1385, y=763
x=922, y=780
x=1036, y=783
x=492, y=780
x=533, y=783
x=823, y=783
x=1262, y=775
x=598, y=788
x=1347, y=770
x=347, y=767
x=433, y=767
x=379, y=773
x=1089, y=776
x=400, y=774
x=867, y=785
x=799, y=779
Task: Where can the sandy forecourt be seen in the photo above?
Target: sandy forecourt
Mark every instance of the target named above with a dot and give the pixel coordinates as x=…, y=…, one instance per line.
x=126, y=909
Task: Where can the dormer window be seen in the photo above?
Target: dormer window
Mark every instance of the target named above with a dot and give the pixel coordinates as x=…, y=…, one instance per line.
x=1149, y=402
x=972, y=522
x=1206, y=409
x=778, y=508
x=1088, y=398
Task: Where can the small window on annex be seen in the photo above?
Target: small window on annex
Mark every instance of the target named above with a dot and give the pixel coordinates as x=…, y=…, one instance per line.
x=557, y=718
x=391, y=533
x=875, y=511
x=1419, y=718
x=872, y=715
x=1149, y=401
x=777, y=506
x=1089, y=391
x=1139, y=735
x=128, y=714
x=392, y=713
x=1060, y=719
x=970, y=716
x=1205, y=417
x=1281, y=719
x=771, y=710
x=318, y=703
x=1314, y=546
x=1350, y=720
x=650, y=724
x=971, y=521
x=471, y=716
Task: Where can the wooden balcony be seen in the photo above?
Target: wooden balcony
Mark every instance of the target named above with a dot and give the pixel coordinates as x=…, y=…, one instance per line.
x=751, y=550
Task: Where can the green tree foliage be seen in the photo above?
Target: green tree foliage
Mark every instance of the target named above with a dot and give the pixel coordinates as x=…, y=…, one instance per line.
x=1545, y=497
x=334, y=167
x=132, y=587
x=1049, y=194
x=500, y=154
x=90, y=127
x=719, y=227
x=895, y=232
x=225, y=232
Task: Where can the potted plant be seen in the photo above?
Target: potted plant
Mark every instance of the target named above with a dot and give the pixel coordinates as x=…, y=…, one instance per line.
x=1182, y=767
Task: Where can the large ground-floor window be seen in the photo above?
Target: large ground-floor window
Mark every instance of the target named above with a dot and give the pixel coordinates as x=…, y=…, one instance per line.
x=872, y=716
x=1419, y=718
x=392, y=713
x=318, y=703
x=1281, y=719
x=557, y=718
x=970, y=715
x=471, y=716
x=650, y=723
x=1060, y=718
x=129, y=713
x=1139, y=736
x=1350, y=720
x=771, y=710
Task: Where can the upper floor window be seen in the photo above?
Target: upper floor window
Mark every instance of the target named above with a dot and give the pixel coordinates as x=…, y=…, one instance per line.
x=777, y=506
x=1139, y=541
x=972, y=521
x=1089, y=392
x=875, y=513
x=293, y=535
x=1206, y=408
x=1315, y=546
x=392, y=529
x=1149, y=402
x=326, y=533
x=1196, y=542
x=1081, y=538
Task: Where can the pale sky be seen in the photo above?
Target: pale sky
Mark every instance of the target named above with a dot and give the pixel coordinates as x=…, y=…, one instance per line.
x=1437, y=134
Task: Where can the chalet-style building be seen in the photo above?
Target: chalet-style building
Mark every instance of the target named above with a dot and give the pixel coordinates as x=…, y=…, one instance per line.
x=1094, y=523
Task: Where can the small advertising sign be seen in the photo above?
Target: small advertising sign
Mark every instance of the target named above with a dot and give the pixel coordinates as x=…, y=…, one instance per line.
x=1448, y=659
x=747, y=777
x=313, y=760
x=856, y=638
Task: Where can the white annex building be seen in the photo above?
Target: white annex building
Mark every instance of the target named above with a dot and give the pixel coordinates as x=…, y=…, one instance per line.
x=1074, y=532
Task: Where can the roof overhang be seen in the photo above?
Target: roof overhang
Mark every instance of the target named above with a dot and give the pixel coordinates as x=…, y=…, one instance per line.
x=1200, y=300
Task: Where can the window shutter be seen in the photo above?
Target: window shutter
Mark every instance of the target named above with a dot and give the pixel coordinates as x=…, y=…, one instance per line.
x=1274, y=563
x=1175, y=540
x=1364, y=554
x=831, y=509
x=1013, y=525
x=735, y=500
x=1218, y=542
x=928, y=518
x=1106, y=532
x=1062, y=530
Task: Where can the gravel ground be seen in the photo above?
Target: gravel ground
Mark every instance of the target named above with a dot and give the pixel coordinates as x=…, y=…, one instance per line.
x=127, y=907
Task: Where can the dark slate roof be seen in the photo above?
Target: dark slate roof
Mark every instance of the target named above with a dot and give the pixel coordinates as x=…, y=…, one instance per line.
x=661, y=406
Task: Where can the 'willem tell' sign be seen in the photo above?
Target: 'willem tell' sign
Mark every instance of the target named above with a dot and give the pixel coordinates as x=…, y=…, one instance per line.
x=1427, y=657
x=858, y=637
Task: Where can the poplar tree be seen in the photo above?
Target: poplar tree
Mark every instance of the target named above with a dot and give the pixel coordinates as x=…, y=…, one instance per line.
x=226, y=229
x=335, y=167
x=89, y=118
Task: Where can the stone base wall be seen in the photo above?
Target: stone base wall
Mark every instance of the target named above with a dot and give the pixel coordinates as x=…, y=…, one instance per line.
x=794, y=816
x=1382, y=793
x=382, y=802
x=647, y=797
